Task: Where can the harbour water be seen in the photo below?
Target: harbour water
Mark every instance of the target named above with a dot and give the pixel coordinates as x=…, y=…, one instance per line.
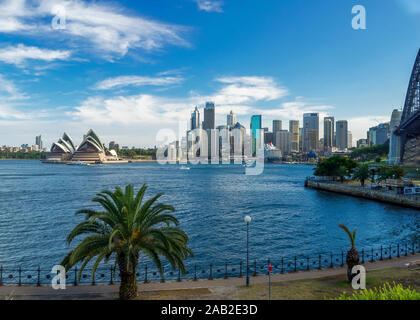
x=38, y=202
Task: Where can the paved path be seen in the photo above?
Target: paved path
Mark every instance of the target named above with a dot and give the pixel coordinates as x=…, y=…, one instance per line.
x=217, y=289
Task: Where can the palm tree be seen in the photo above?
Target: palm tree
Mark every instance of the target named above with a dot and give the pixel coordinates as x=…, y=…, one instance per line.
x=361, y=173
x=352, y=257
x=123, y=229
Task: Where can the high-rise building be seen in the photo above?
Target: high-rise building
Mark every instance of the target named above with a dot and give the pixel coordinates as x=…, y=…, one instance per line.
x=283, y=141
x=277, y=125
x=231, y=119
x=209, y=116
x=379, y=134
x=256, y=133
x=268, y=137
x=310, y=132
x=394, y=140
x=195, y=119
x=294, y=132
x=341, y=138
x=361, y=143
x=349, y=140
x=328, y=133
x=38, y=142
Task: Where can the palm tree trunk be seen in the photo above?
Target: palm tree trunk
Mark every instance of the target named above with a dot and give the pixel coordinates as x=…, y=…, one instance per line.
x=128, y=285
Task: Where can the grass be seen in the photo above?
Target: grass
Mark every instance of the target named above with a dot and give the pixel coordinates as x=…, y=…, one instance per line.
x=329, y=287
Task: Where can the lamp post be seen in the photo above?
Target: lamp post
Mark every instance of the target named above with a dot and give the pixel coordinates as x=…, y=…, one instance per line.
x=247, y=221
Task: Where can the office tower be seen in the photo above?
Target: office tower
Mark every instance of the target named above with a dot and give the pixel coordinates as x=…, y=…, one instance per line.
x=256, y=133
x=341, y=134
x=328, y=133
x=394, y=140
x=268, y=137
x=300, y=139
x=195, y=119
x=283, y=141
x=310, y=132
x=277, y=125
x=379, y=134
x=294, y=132
x=231, y=119
x=209, y=116
x=349, y=140
x=361, y=143
x=38, y=142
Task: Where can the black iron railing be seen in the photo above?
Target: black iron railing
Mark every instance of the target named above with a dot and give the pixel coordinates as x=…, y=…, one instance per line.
x=107, y=274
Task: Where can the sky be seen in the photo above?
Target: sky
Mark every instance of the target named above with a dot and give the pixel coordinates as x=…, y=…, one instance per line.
x=128, y=69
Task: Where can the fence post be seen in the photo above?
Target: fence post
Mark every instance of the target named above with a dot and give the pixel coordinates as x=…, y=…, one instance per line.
x=211, y=272
x=112, y=279
x=319, y=262
x=406, y=250
x=20, y=277
x=381, y=254
x=295, y=270
x=255, y=268
x=145, y=275
x=179, y=275
x=363, y=256
x=195, y=272
x=332, y=262
x=307, y=264
x=38, y=282
x=282, y=265
x=240, y=269
x=371, y=257
x=226, y=270
x=342, y=258
x=1, y=275
x=414, y=251
x=390, y=252
x=93, y=280
x=75, y=277
x=163, y=275
x=398, y=250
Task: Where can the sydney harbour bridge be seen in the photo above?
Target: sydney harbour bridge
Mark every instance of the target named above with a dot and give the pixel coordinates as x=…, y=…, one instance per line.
x=409, y=128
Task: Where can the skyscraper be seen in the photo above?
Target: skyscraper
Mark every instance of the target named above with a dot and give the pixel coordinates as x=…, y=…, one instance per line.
x=277, y=125
x=342, y=135
x=394, y=140
x=294, y=132
x=328, y=133
x=349, y=140
x=256, y=133
x=38, y=142
x=310, y=132
x=231, y=119
x=195, y=119
x=283, y=141
x=209, y=116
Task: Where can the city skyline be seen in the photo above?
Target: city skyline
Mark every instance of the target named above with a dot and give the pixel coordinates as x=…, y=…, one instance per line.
x=131, y=85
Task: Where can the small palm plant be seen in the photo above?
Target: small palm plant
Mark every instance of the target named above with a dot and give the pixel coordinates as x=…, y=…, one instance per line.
x=352, y=257
x=123, y=229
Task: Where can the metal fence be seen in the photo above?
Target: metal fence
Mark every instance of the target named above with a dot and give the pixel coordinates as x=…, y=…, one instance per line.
x=146, y=273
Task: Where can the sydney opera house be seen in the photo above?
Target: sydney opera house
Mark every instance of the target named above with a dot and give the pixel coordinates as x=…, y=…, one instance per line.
x=91, y=150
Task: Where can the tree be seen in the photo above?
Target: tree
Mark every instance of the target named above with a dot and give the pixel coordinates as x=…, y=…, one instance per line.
x=335, y=166
x=123, y=229
x=352, y=257
x=361, y=173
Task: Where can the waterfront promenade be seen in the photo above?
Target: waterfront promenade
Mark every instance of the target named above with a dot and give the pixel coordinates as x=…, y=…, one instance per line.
x=228, y=289
x=409, y=201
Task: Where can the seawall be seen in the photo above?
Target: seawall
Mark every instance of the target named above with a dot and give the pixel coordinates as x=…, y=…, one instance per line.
x=367, y=193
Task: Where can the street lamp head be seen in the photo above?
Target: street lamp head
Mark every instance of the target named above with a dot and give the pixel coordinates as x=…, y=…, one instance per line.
x=247, y=219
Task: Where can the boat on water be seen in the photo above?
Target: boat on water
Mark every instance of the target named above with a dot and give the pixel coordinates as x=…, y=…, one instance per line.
x=184, y=168
x=78, y=163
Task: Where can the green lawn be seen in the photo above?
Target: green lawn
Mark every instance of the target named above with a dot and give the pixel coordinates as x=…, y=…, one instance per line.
x=328, y=287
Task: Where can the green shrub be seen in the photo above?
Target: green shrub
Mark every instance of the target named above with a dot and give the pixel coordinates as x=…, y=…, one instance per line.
x=387, y=292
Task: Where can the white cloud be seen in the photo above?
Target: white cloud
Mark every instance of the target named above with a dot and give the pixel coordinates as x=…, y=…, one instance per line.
x=104, y=28
x=18, y=55
x=209, y=5
x=10, y=95
x=124, y=81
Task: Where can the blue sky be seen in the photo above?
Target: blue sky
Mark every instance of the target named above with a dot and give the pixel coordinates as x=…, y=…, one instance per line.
x=130, y=68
